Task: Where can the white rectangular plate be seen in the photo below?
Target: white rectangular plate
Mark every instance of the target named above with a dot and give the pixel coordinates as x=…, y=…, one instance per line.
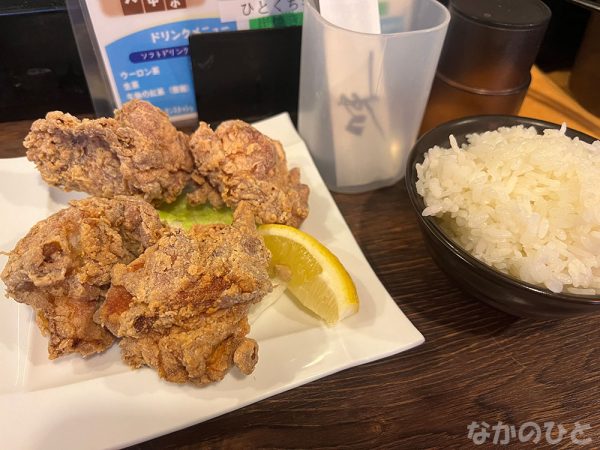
x=98, y=402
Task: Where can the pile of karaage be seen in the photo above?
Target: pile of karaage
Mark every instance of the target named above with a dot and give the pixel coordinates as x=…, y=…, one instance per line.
x=107, y=268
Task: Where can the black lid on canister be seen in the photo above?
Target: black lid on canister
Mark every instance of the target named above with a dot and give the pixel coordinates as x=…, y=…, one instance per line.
x=491, y=45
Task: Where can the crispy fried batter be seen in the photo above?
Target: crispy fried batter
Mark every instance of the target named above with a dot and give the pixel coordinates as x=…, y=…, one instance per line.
x=62, y=267
x=204, y=193
x=139, y=152
x=245, y=165
x=181, y=307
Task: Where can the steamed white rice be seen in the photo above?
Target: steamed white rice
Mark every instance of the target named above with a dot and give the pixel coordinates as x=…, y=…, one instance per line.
x=526, y=204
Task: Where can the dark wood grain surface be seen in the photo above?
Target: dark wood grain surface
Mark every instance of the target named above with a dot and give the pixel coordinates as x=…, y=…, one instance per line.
x=477, y=364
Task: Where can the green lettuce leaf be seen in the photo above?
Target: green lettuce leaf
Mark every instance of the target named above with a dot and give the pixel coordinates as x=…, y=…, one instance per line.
x=181, y=214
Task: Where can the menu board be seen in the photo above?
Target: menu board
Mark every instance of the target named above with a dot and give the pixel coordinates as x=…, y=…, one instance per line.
x=142, y=46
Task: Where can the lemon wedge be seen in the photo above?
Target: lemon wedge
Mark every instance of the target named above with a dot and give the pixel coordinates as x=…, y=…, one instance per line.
x=317, y=278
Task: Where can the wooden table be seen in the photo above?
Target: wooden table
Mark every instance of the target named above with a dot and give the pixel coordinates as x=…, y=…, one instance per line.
x=476, y=365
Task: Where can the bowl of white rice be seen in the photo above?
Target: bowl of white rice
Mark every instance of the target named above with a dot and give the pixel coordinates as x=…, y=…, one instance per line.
x=510, y=209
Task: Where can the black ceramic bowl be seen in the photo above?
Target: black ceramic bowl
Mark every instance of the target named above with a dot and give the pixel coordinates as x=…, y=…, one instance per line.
x=473, y=276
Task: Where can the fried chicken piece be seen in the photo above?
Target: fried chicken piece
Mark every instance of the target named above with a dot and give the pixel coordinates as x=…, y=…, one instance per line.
x=139, y=152
x=245, y=165
x=62, y=267
x=181, y=307
x=204, y=193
